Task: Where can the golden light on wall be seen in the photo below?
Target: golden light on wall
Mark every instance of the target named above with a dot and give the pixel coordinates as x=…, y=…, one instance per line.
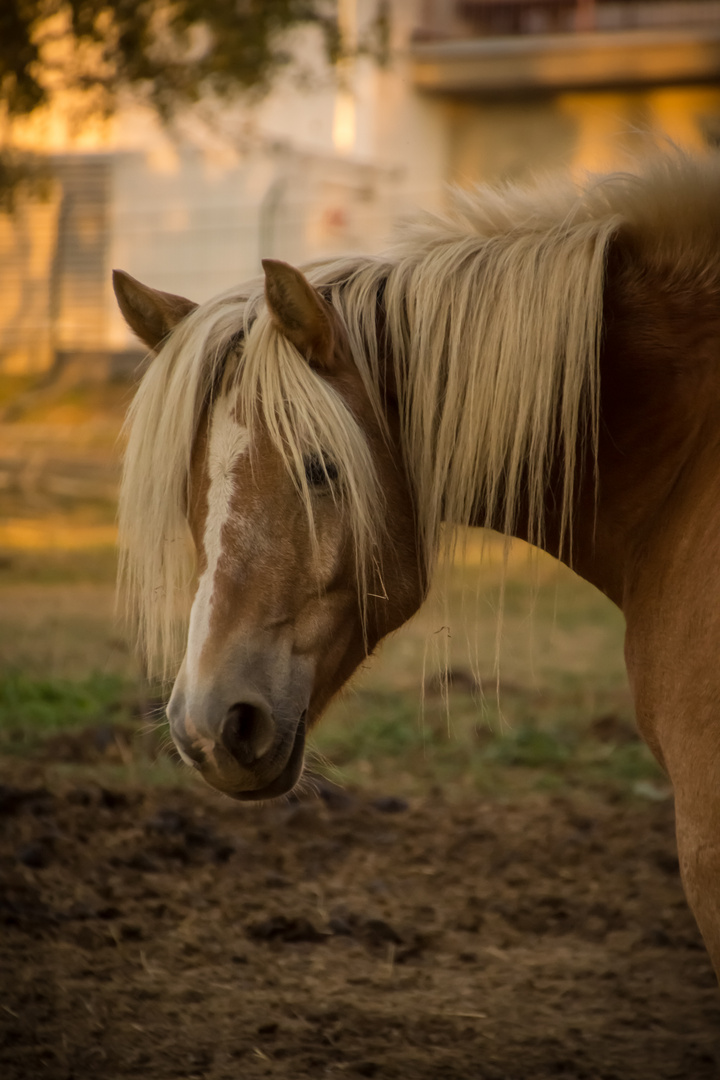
x=344, y=121
x=615, y=129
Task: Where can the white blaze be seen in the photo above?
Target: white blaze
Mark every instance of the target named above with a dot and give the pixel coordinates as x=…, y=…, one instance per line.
x=228, y=441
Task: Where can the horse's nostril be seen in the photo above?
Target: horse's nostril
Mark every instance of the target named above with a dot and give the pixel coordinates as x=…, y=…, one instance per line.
x=243, y=732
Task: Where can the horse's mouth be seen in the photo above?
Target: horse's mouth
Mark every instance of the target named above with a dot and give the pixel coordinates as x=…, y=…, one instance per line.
x=286, y=780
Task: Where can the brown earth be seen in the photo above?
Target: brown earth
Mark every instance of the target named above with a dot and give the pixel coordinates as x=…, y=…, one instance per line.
x=169, y=933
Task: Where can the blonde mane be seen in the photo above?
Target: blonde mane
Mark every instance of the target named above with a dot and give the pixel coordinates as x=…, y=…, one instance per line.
x=493, y=318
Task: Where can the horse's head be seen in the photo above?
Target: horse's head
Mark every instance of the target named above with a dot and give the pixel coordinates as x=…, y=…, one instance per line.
x=303, y=564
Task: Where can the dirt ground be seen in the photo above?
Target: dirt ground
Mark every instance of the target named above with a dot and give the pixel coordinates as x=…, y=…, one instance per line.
x=170, y=933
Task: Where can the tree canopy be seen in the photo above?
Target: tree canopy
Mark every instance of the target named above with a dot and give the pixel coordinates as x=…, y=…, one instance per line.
x=170, y=52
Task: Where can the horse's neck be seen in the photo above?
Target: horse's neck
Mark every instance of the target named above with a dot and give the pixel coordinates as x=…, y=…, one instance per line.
x=659, y=423
x=659, y=427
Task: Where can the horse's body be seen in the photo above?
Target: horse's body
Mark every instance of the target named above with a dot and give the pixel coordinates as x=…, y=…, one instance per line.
x=545, y=363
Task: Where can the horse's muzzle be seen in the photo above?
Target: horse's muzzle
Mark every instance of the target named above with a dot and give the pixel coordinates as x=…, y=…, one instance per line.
x=286, y=780
x=241, y=750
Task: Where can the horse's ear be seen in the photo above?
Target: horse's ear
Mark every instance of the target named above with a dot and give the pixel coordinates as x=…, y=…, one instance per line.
x=299, y=312
x=149, y=313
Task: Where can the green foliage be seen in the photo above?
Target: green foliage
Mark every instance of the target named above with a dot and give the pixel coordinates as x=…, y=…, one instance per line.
x=172, y=51
x=20, y=89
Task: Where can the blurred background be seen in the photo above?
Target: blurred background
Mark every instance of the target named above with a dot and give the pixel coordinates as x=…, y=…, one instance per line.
x=480, y=880
x=184, y=148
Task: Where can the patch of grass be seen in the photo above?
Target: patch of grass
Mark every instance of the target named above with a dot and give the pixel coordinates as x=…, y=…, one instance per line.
x=385, y=727
x=627, y=764
x=531, y=748
x=33, y=707
x=527, y=742
x=100, y=728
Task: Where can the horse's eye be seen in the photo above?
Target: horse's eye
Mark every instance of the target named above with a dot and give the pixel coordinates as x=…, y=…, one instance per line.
x=319, y=472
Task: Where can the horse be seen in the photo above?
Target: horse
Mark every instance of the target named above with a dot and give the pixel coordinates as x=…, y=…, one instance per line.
x=542, y=360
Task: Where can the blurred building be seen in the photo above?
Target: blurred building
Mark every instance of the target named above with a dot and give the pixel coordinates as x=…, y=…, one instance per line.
x=473, y=90
x=528, y=85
